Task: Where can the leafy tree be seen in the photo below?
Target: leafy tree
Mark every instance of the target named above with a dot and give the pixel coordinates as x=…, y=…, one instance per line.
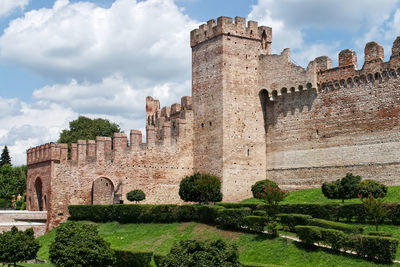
x=5, y=157
x=259, y=186
x=85, y=128
x=269, y=192
x=78, y=244
x=371, y=187
x=201, y=188
x=136, y=195
x=12, y=181
x=18, y=246
x=345, y=188
x=194, y=253
x=375, y=207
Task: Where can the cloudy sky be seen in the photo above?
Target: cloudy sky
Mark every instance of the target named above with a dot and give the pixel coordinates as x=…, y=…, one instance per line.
x=101, y=58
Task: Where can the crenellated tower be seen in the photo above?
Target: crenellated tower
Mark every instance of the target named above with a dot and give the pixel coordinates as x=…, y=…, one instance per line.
x=229, y=139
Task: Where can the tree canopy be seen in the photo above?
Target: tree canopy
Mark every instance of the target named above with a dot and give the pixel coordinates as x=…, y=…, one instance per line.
x=12, y=181
x=201, y=188
x=85, y=128
x=345, y=188
x=5, y=157
x=18, y=246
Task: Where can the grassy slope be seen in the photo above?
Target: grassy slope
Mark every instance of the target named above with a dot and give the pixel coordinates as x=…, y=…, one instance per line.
x=252, y=248
x=315, y=196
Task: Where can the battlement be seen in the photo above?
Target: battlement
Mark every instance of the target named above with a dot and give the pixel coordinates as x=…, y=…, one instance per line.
x=347, y=73
x=225, y=26
x=47, y=152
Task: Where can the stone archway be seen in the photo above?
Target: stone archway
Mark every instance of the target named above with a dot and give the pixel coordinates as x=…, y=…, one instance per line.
x=102, y=191
x=39, y=193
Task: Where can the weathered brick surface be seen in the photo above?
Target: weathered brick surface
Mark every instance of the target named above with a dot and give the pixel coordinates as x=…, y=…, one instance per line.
x=252, y=115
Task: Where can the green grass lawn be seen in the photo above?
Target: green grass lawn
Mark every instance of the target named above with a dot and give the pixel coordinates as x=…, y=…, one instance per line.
x=252, y=248
x=315, y=196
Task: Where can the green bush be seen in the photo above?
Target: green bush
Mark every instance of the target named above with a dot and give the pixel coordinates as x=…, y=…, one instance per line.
x=233, y=218
x=201, y=188
x=259, y=213
x=327, y=211
x=18, y=246
x=335, y=225
x=196, y=253
x=352, y=211
x=344, y=188
x=78, y=244
x=256, y=223
x=292, y=220
x=136, y=195
x=372, y=187
x=336, y=239
x=132, y=259
x=209, y=213
x=309, y=234
x=187, y=213
x=158, y=258
x=259, y=186
x=379, y=233
x=375, y=248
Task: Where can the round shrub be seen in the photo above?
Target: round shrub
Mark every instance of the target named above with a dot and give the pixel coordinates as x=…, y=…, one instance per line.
x=78, y=244
x=259, y=186
x=345, y=188
x=201, y=188
x=371, y=187
x=196, y=253
x=136, y=195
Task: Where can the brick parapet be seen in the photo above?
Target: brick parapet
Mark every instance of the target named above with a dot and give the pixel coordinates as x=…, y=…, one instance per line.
x=103, y=149
x=47, y=152
x=374, y=68
x=226, y=26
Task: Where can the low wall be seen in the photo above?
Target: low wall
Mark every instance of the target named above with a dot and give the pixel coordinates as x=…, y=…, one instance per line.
x=23, y=220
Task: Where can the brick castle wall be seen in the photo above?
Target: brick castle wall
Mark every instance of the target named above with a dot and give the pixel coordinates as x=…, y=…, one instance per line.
x=252, y=115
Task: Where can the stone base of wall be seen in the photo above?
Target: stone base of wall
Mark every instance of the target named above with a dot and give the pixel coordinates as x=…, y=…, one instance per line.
x=311, y=177
x=23, y=220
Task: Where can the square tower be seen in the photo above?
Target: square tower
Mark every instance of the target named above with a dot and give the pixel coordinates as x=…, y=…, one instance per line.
x=229, y=135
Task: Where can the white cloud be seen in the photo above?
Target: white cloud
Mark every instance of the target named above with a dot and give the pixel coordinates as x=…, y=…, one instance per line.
x=32, y=125
x=290, y=20
x=103, y=61
x=146, y=41
x=7, y=6
x=113, y=95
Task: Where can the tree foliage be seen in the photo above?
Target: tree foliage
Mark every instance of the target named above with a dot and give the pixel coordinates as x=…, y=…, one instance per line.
x=18, y=246
x=259, y=186
x=12, y=181
x=194, y=253
x=345, y=188
x=136, y=195
x=78, y=244
x=371, y=187
x=201, y=188
x=5, y=157
x=85, y=128
x=269, y=192
x=375, y=207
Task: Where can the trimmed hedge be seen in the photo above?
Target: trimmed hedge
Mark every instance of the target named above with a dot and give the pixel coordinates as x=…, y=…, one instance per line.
x=380, y=234
x=256, y=223
x=292, y=220
x=158, y=258
x=142, y=213
x=335, y=225
x=376, y=248
x=233, y=218
x=327, y=211
x=132, y=259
